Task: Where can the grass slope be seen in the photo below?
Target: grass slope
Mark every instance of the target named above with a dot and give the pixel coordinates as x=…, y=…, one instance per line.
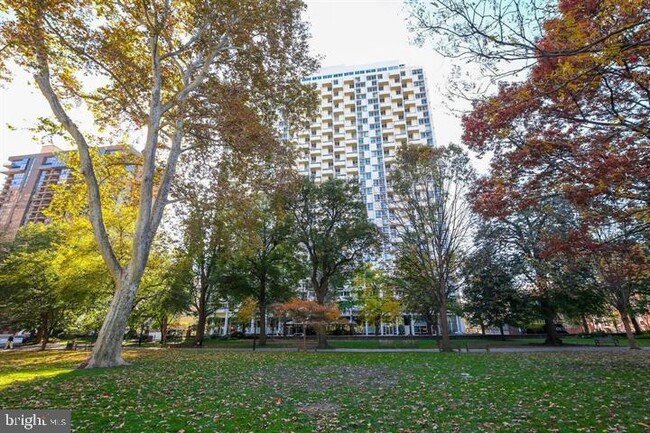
x=194, y=391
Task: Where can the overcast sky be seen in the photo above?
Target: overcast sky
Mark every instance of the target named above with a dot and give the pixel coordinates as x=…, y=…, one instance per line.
x=347, y=32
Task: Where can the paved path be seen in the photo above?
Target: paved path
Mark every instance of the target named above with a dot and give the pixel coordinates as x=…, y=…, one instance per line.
x=519, y=349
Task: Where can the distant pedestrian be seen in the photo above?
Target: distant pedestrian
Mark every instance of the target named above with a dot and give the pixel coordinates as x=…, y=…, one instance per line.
x=10, y=342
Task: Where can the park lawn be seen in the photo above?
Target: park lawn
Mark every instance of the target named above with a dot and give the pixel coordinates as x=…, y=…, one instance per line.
x=206, y=391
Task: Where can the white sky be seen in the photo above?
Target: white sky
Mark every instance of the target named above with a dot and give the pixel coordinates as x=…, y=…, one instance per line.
x=348, y=32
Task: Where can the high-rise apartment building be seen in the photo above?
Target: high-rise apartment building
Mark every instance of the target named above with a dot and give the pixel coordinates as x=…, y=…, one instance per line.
x=366, y=113
x=27, y=189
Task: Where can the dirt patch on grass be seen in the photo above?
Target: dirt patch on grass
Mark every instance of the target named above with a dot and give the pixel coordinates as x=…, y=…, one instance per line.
x=319, y=408
x=332, y=377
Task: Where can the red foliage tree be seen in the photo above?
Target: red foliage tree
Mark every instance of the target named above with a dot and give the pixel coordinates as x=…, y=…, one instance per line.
x=578, y=126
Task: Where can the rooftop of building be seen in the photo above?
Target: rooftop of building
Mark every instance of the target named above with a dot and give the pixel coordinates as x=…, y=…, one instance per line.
x=50, y=149
x=336, y=71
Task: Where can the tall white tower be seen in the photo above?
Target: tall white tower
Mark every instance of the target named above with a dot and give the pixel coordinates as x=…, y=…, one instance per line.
x=365, y=114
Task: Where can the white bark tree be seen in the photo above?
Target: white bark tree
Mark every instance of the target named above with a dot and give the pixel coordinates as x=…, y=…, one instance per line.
x=154, y=59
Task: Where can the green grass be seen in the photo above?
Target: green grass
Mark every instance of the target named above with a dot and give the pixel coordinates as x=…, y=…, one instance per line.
x=208, y=391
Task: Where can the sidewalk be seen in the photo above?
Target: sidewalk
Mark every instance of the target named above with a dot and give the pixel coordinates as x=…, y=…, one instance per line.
x=521, y=349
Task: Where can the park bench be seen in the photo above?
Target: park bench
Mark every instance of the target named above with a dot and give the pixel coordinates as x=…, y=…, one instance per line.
x=308, y=345
x=458, y=347
x=73, y=345
x=401, y=344
x=483, y=346
x=455, y=347
x=604, y=339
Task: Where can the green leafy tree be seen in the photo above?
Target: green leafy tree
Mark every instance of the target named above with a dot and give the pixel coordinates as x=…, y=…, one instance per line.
x=332, y=226
x=376, y=297
x=491, y=296
x=267, y=268
x=30, y=293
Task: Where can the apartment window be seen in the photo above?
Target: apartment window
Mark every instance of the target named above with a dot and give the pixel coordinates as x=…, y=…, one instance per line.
x=17, y=180
x=20, y=164
x=51, y=160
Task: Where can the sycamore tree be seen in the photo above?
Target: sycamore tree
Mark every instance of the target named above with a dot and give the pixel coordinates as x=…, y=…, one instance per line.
x=77, y=260
x=332, y=227
x=430, y=186
x=161, y=68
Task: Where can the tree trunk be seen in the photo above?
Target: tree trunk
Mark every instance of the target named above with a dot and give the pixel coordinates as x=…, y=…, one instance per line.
x=585, y=325
x=552, y=338
x=321, y=292
x=631, y=339
x=200, y=329
x=107, y=351
x=262, y=306
x=503, y=335
x=445, y=341
x=635, y=323
x=549, y=313
x=163, y=329
x=43, y=331
x=262, y=341
x=141, y=334
x=376, y=324
x=482, y=328
x=203, y=315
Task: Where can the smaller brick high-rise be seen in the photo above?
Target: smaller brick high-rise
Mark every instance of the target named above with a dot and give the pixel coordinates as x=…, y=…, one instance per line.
x=27, y=190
